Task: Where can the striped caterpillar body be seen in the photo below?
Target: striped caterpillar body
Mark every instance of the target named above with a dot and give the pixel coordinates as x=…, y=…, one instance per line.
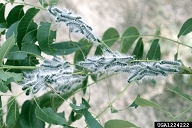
x=74, y=22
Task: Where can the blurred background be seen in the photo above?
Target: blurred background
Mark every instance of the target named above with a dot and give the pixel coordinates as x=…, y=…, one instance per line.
x=147, y=16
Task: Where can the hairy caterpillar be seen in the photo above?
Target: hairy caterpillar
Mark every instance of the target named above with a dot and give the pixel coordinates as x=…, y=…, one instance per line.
x=170, y=62
x=74, y=22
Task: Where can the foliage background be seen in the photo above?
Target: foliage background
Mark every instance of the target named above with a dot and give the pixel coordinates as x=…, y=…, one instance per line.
x=147, y=16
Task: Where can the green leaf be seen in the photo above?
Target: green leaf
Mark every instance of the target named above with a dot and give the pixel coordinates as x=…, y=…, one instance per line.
x=8, y=82
x=45, y=38
x=83, y=109
x=27, y=48
x=81, y=54
x=158, y=31
x=54, y=102
x=49, y=101
x=154, y=52
x=15, y=14
x=4, y=75
x=43, y=3
x=98, y=51
x=28, y=118
x=18, y=125
x=11, y=1
x=94, y=77
x=146, y=103
x=73, y=117
x=2, y=29
x=12, y=112
x=119, y=124
x=30, y=37
x=113, y=110
x=2, y=13
x=138, y=51
x=176, y=56
x=53, y=2
x=6, y=47
x=84, y=86
x=177, y=91
x=26, y=24
x=12, y=30
x=29, y=61
x=32, y=49
x=14, y=63
x=116, y=123
x=190, y=79
x=49, y=116
x=65, y=48
x=185, y=70
x=134, y=104
x=128, y=38
x=110, y=36
x=1, y=113
x=186, y=28
x=90, y=120
x=75, y=107
x=85, y=103
x=3, y=87
x=143, y=103
x=16, y=54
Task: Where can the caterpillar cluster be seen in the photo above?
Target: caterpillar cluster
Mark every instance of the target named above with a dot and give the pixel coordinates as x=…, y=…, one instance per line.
x=74, y=22
x=58, y=74
x=55, y=73
x=117, y=63
x=151, y=70
x=114, y=62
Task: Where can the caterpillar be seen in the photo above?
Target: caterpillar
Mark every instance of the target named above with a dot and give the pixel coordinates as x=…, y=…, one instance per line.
x=170, y=62
x=167, y=69
x=133, y=76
